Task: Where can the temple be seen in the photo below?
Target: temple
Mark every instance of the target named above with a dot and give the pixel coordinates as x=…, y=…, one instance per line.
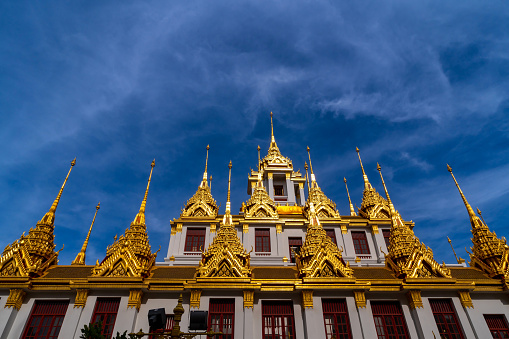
x=290, y=264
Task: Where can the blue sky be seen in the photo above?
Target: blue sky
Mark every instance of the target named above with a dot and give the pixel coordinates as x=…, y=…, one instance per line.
x=414, y=85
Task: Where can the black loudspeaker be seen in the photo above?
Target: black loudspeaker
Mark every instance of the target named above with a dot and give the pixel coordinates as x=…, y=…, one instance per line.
x=198, y=321
x=157, y=319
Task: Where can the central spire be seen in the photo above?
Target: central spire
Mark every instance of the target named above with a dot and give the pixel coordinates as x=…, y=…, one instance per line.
x=373, y=206
x=272, y=139
x=204, y=181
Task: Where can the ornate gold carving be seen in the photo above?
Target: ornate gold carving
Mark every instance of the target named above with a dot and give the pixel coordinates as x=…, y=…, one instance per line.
x=134, y=299
x=15, y=299
x=270, y=175
x=130, y=255
x=172, y=258
x=374, y=229
x=344, y=230
x=307, y=298
x=373, y=205
x=248, y=299
x=357, y=260
x=466, y=300
x=489, y=253
x=80, y=258
x=179, y=227
x=245, y=228
x=360, y=299
x=301, y=185
x=31, y=255
x=279, y=228
x=195, y=298
x=285, y=259
x=81, y=297
x=212, y=228
x=260, y=205
x=408, y=257
x=226, y=256
x=288, y=176
x=414, y=299
x=173, y=229
x=289, y=210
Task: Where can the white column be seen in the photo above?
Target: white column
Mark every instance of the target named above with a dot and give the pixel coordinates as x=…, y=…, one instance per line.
x=367, y=322
x=424, y=321
x=353, y=316
x=7, y=317
x=477, y=322
x=302, y=197
x=248, y=323
x=290, y=190
x=271, y=186
x=18, y=320
x=379, y=241
x=464, y=321
x=72, y=321
x=313, y=320
x=126, y=318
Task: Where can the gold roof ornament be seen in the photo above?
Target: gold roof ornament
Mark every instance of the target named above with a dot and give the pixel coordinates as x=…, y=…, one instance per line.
x=408, y=257
x=373, y=205
x=80, y=258
x=130, y=255
x=319, y=256
x=489, y=253
x=324, y=207
x=31, y=255
x=202, y=204
x=352, y=211
x=260, y=205
x=274, y=156
x=226, y=256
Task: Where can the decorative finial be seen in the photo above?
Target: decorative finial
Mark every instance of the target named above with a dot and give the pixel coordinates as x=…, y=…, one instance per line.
x=272, y=140
x=259, y=158
x=480, y=214
x=80, y=258
x=307, y=177
x=229, y=180
x=310, y=164
x=453, y=251
x=140, y=217
x=204, y=181
x=352, y=211
x=467, y=205
x=391, y=206
x=367, y=185
x=211, y=182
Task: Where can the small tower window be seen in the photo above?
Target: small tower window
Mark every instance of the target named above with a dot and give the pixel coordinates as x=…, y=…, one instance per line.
x=332, y=235
x=195, y=240
x=278, y=190
x=360, y=242
x=295, y=245
x=497, y=325
x=446, y=319
x=262, y=240
x=387, y=237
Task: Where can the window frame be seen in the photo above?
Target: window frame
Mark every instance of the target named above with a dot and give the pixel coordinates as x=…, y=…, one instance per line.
x=387, y=236
x=170, y=321
x=331, y=233
x=195, y=235
x=296, y=245
x=336, y=308
x=262, y=240
x=491, y=323
x=383, y=310
x=220, y=308
x=278, y=312
x=112, y=310
x=54, y=310
x=360, y=243
x=444, y=310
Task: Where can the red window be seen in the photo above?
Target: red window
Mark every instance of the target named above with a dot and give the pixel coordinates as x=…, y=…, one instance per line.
x=446, y=319
x=106, y=312
x=497, y=325
x=277, y=320
x=262, y=240
x=45, y=320
x=387, y=237
x=167, y=329
x=295, y=245
x=221, y=317
x=335, y=316
x=195, y=240
x=360, y=242
x=389, y=320
x=332, y=235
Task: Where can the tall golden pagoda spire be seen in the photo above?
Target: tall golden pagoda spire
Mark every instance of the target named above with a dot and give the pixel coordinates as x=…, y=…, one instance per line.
x=489, y=253
x=274, y=155
x=130, y=255
x=226, y=256
x=80, y=258
x=272, y=139
x=31, y=255
x=352, y=211
x=408, y=257
x=202, y=204
x=373, y=206
x=319, y=256
x=324, y=207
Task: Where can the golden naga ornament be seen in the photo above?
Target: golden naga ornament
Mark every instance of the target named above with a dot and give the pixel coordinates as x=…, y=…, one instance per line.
x=324, y=207
x=408, y=257
x=201, y=204
x=31, y=255
x=130, y=255
x=489, y=253
x=226, y=256
x=373, y=205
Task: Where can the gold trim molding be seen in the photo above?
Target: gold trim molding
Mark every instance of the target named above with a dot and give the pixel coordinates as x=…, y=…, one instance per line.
x=245, y=228
x=360, y=299
x=179, y=227
x=195, y=298
x=279, y=228
x=466, y=300
x=81, y=297
x=307, y=298
x=134, y=299
x=414, y=299
x=374, y=229
x=212, y=228
x=248, y=299
x=343, y=229
x=15, y=299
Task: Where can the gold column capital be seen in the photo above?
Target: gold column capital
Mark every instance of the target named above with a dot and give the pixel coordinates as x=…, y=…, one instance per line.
x=245, y=228
x=279, y=228
x=135, y=299
x=343, y=229
x=81, y=297
x=414, y=299
x=195, y=298
x=248, y=299
x=374, y=229
x=360, y=299
x=15, y=299
x=466, y=300
x=307, y=298
x=212, y=227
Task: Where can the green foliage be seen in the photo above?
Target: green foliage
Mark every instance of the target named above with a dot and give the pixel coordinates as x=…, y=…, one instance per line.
x=93, y=331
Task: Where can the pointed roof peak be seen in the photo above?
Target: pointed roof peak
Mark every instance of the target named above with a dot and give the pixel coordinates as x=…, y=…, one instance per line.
x=367, y=185
x=272, y=139
x=227, y=219
x=352, y=211
x=140, y=217
x=49, y=217
x=204, y=180
x=80, y=258
x=391, y=206
x=470, y=210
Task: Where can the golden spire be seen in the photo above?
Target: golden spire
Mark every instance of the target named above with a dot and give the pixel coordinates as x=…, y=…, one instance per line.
x=259, y=158
x=389, y=202
x=460, y=260
x=80, y=258
x=227, y=219
x=211, y=182
x=367, y=185
x=140, y=217
x=272, y=139
x=352, y=211
x=471, y=212
x=307, y=177
x=49, y=218
x=204, y=181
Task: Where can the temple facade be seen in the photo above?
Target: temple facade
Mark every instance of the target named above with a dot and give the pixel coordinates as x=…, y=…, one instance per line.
x=288, y=265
